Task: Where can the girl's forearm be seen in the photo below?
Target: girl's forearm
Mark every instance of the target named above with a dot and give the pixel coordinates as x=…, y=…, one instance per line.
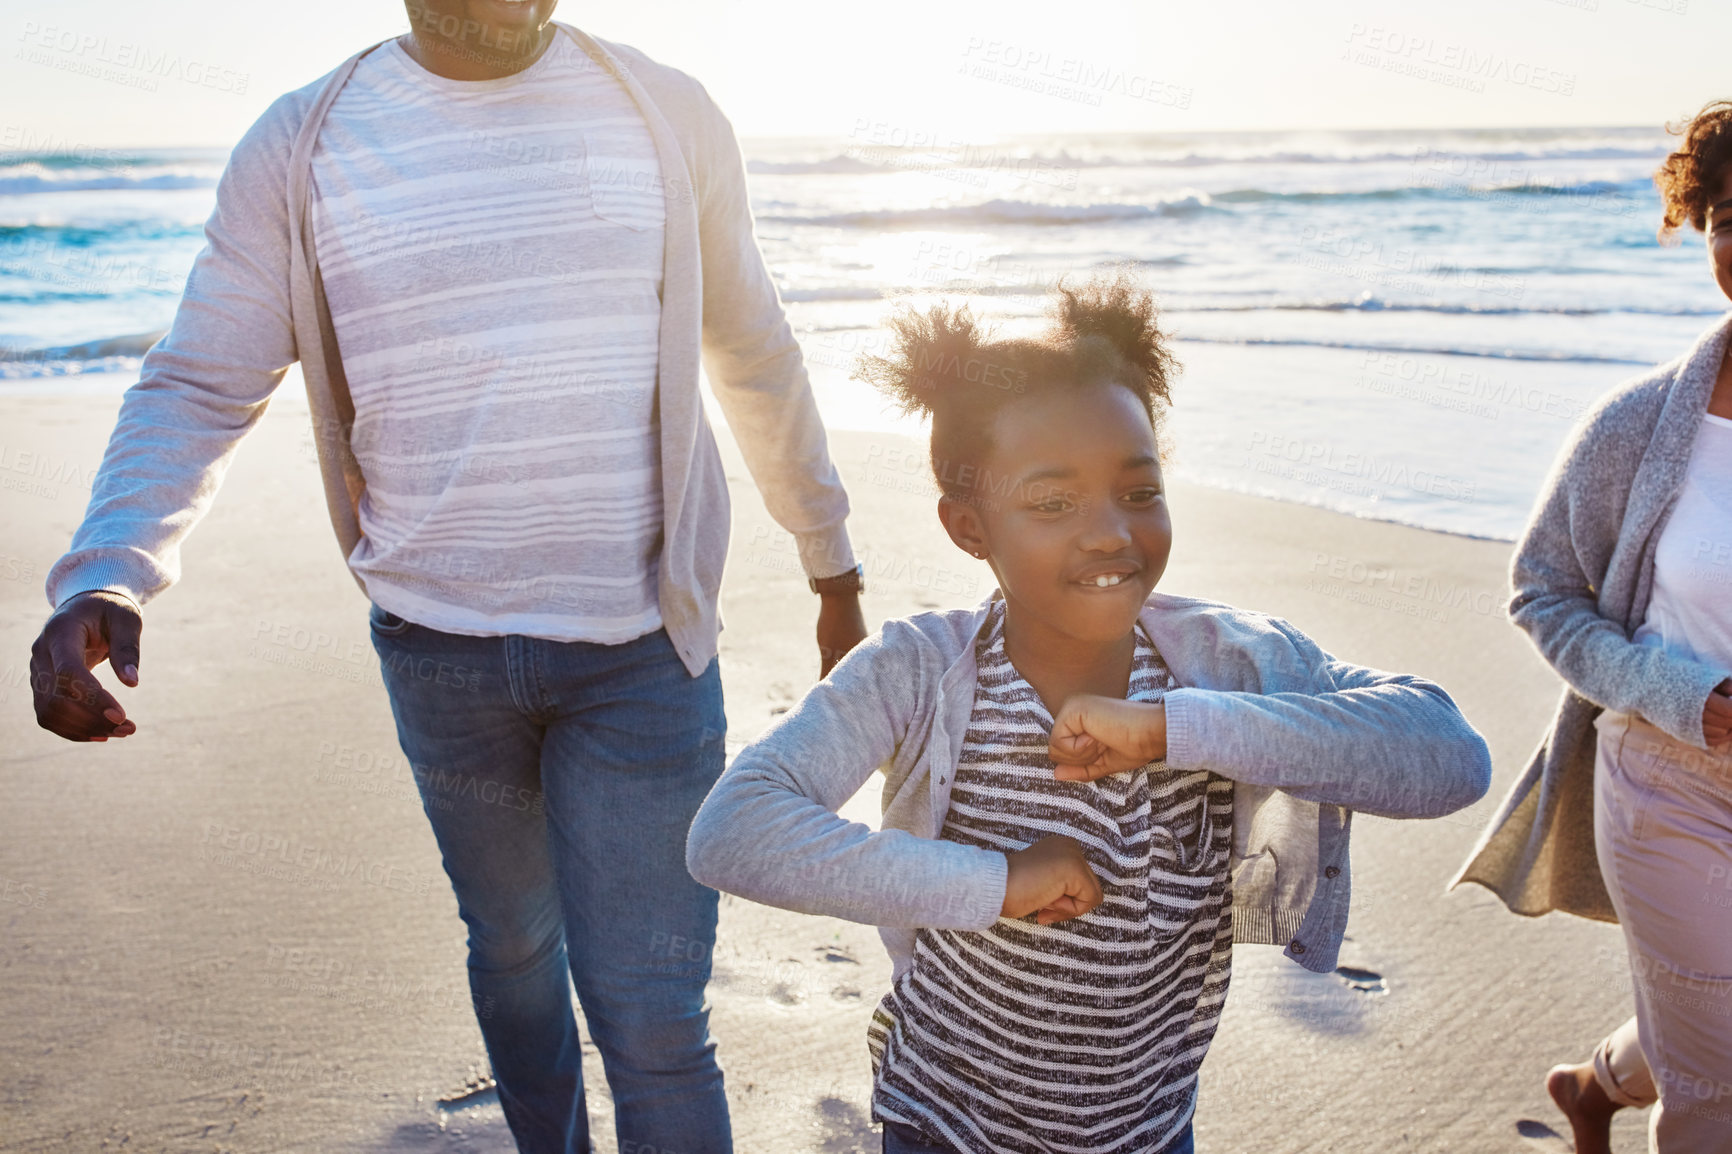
x=757, y=839
x=1399, y=748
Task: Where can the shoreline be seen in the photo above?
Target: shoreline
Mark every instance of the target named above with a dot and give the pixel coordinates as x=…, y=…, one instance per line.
x=915, y=482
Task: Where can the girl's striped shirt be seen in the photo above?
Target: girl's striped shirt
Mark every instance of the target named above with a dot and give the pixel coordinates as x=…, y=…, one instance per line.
x=1084, y=1036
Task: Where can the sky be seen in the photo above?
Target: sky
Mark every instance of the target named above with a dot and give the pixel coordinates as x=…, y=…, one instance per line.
x=161, y=73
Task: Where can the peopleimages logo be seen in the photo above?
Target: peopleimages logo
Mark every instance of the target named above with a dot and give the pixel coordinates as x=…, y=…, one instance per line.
x=86, y=51
x=1068, y=77
x=1453, y=65
x=1300, y=459
x=1375, y=583
x=285, y=857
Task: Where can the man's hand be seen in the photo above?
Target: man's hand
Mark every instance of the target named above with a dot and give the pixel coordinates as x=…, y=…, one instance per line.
x=1717, y=715
x=841, y=627
x=1096, y=736
x=1050, y=879
x=84, y=631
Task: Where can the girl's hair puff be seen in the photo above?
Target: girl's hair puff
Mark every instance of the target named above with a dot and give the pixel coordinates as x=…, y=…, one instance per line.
x=1110, y=323
x=944, y=364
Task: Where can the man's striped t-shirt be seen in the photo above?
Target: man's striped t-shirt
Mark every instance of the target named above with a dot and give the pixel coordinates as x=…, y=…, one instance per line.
x=492, y=255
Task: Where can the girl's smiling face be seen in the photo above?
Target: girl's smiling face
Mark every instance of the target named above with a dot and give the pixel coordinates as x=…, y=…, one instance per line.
x=1070, y=510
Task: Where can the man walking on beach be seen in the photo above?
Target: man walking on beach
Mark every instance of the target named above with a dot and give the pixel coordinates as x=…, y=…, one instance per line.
x=496, y=246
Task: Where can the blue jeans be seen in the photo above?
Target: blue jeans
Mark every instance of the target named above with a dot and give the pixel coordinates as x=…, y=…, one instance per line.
x=560, y=780
x=899, y=1139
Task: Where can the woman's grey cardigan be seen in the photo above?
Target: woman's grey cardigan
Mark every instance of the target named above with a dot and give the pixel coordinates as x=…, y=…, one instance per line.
x=1582, y=577
x=1305, y=738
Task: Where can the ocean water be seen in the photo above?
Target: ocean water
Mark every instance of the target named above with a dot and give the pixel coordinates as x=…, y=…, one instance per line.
x=1401, y=325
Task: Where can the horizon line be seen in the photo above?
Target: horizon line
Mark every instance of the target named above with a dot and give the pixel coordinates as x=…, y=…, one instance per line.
x=1194, y=133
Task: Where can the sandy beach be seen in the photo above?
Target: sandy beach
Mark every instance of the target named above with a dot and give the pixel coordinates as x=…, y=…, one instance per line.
x=230, y=932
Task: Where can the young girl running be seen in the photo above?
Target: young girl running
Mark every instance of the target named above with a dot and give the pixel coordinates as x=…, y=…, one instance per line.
x=1092, y=789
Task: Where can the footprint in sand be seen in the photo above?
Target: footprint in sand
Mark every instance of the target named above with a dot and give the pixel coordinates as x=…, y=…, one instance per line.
x=477, y=1090
x=847, y=1128
x=466, y=1120
x=1542, y=1137
x=1364, y=981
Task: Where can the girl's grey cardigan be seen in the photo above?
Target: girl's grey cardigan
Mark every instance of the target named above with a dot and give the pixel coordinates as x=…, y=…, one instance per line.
x=1305, y=737
x=1582, y=578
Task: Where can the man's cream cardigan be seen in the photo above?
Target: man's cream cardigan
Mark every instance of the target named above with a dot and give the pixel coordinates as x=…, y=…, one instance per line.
x=254, y=305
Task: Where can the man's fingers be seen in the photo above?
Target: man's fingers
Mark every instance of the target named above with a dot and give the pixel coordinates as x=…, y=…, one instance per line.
x=77, y=724
x=84, y=631
x=70, y=701
x=66, y=704
x=72, y=677
x=79, y=695
x=123, y=631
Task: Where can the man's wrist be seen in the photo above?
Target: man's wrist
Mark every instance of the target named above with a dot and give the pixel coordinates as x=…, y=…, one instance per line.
x=851, y=582
x=126, y=597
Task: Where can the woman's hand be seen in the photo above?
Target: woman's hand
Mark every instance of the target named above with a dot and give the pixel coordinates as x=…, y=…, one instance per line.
x=1717, y=715
x=1050, y=879
x=1094, y=736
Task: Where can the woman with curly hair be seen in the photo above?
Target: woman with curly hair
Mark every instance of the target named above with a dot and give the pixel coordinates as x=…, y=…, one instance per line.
x=1092, y=790
x=1623, y=580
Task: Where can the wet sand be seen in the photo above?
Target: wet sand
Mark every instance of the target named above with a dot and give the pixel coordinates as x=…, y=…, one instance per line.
x=186, y=970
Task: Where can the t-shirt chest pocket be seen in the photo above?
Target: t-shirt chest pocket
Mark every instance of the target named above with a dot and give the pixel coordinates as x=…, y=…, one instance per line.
x=624, y=181
x=1181, y=838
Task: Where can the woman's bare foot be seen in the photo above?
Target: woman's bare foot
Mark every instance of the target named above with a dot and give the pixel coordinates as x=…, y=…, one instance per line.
x=1577, y=1093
